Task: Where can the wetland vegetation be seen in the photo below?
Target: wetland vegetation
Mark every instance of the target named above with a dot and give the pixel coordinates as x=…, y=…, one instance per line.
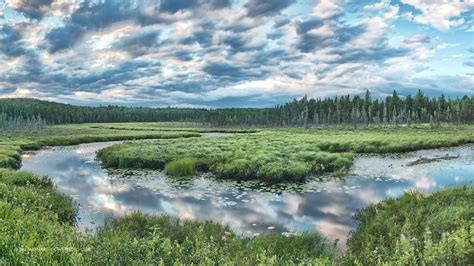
x=278, y=155
x=37, y=225
x=13, y=143
x=417, y=228
x=38, y=222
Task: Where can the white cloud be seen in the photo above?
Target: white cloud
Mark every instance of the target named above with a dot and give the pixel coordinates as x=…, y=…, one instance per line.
x=441, y=14
x=376, y=28
x=321, y=51
x=327, y=8
x=377, y=6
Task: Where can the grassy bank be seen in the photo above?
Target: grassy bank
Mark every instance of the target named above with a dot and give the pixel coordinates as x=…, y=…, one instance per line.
x=172, y=126
x=417, y=229
x=37, y=226
x=278, y=155
x=13, y=143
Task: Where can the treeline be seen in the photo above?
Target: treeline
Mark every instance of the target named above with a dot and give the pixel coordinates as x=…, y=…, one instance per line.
x=22, y=123
x=361, y=111
x=355, y=112
x=346, y=111
x=58, y=113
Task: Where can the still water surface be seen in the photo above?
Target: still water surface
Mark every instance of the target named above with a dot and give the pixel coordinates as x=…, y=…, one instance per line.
x=248, y=207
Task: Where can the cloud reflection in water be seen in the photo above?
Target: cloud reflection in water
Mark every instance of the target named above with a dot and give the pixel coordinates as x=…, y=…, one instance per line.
x=247, y=207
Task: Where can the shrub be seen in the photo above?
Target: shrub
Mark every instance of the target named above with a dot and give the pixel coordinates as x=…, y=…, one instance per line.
x=36, y=194
x=414, y=224
x=181, y=167
x=9, y=162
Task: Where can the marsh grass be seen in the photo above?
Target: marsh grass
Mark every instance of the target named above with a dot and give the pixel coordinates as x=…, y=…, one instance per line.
x=37, y=225
x=36, y=194
x=37, y=221
x=12, y=145
x=160, y=126
x=181, y=167
x=281, y=155
x=414, y=229
x=417, y=228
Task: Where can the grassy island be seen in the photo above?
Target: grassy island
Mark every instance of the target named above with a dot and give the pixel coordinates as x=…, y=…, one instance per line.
x=278, y=155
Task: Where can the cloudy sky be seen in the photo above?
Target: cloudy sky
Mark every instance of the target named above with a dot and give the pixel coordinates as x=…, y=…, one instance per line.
x=223, y=53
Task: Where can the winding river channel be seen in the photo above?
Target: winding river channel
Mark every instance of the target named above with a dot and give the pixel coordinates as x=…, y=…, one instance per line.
x=248, y=207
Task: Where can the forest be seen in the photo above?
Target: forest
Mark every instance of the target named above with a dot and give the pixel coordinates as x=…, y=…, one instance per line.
x=345, y=111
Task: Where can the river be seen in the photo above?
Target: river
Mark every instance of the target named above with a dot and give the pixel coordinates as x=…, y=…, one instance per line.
x=249, y=207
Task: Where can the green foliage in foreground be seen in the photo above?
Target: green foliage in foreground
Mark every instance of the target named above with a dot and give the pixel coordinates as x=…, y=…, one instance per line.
x=36, y=194
x=34, y=228
x=417, y=228
x=279, y=155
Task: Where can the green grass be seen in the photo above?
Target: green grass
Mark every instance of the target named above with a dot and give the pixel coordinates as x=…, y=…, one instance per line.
x=181, y=167
x=417, y=228
x=36, y=194
x=37, y=226
x=241, y=157
x=281, y=155
x=11, y=145
x=37, y=222
x=172, y=126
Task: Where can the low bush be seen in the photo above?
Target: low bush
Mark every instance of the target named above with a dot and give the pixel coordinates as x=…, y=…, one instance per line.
x=9, y=162
x=417, y=228
x=36, y=194
x=181, y=167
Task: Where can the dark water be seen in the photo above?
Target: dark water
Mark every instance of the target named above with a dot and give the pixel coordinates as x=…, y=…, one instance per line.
x=249, y=207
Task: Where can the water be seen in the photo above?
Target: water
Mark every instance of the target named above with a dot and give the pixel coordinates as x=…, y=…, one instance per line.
x=216, y=134
x=250, y=208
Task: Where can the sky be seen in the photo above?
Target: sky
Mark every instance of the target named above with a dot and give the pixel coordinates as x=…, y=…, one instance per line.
x=232, y=53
